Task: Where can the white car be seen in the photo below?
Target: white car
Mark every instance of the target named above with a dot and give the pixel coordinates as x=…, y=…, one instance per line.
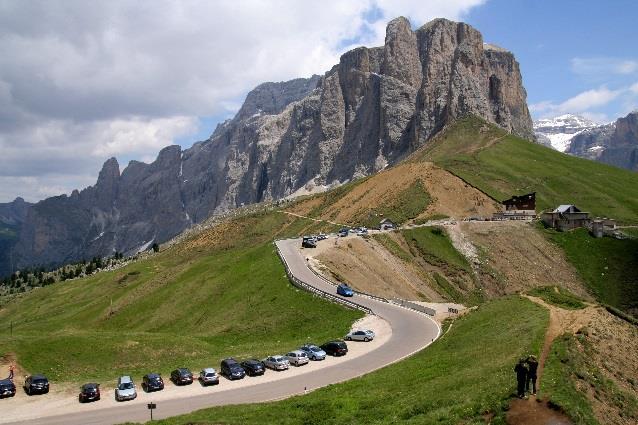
x=276, y=362
x=297, y=358
x=125, y=389
x=361, y=335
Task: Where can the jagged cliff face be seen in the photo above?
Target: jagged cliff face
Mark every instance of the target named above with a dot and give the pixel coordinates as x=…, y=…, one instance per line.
x=370, y=110
x=614, y=144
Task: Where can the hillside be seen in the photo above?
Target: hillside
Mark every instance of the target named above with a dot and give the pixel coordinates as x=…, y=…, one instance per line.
x=501, y=165
x=222, y=292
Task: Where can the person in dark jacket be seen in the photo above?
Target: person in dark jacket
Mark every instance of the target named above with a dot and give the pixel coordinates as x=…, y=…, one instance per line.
x=532, y=366
x=521, y=377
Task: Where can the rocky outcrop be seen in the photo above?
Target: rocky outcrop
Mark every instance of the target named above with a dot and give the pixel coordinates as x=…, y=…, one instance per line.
x=614, y=144
x=370, y=110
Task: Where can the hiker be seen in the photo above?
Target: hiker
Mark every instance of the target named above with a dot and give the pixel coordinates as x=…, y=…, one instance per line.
x=521, y=377
x=532, y=365
x=11, y=371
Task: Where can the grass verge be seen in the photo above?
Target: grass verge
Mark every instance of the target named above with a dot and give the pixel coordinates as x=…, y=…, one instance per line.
x=558, y=296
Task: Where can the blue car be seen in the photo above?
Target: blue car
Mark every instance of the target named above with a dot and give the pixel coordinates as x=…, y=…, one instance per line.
x=344, y=290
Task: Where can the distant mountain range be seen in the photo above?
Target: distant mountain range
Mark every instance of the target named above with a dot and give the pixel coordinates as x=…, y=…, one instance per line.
x=373, y=108
x=614, y=143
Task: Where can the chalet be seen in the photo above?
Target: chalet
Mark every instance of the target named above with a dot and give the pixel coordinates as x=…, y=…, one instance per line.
x=566, y=217
x=521, y=207
x=386, y=224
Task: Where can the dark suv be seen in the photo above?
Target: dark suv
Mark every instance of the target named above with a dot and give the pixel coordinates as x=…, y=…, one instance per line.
x=253, y=367
x=232, y=370
x=89, y=392
x=335, y=348
x=36, y=384
x=182, y=376
x=152, y=382
x=7, y=388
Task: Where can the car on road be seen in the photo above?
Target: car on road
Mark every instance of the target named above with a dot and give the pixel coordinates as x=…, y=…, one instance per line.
x=297, y=358
x=7, y=388
x=362, y=231
x=322, y=236
x=335, y=348
x=343, y=232
x=308, y=242
x=253, y=367
x=125, y=389
x=36, y=384
x=360, y=335
x=89, y=392
x=276, y=362
x=344, y=290
x=152, y=382
x=182, y=376
x=208, y=376
x=232, y=370
x=313, y=352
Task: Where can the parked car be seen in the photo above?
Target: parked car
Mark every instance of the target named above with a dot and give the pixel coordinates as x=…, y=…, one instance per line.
x=297, y=358
x=125, y=389
x=335, y=348
x=182, y=376
x=322, y=236
x=152, y=382
x=313, y=352
x=344, y=290
x=276, y=362
x=362, y=231
x=232, y=370
x=208, y=376
x=36, y=384
x=7, y=388
x=308, y=242
x=343, y=232
x=361, y=335
x=253, y=367
x=89, y=392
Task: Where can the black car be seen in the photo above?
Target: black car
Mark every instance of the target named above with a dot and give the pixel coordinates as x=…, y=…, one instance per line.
x=335, y=348
x=182, y=376
x=36, y=384
x=89, y=392
x=308, y=242
x=153, y=382
x=7, y=388
x=232, y=370
x=253, y=367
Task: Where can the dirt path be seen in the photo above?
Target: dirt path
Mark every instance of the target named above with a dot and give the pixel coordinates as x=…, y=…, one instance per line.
x=538, y=412
x=314, y=219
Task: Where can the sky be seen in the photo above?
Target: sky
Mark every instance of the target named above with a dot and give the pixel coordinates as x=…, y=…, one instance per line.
x=81, y=81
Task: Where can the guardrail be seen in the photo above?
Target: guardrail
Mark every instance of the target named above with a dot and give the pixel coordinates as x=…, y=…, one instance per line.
x=318, y=292
x=403, y=303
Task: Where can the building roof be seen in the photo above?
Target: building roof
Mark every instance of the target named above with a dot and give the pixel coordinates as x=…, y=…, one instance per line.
x=566, y=208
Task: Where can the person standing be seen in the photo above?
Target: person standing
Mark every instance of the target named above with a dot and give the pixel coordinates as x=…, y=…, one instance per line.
x=532, y=365
x=11, y=371
x=521, y=377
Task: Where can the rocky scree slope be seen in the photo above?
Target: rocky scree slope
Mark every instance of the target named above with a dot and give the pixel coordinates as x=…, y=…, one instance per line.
x=370, y=110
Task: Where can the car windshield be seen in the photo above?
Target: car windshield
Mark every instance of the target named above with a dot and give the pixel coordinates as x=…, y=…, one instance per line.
x=39, y=381
x=126, y=386
x=210, y=375
x=279, y=359
x=315, y=349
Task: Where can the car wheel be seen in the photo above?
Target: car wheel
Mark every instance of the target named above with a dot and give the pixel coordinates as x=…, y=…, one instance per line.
x=348, y=338
x=366, y=339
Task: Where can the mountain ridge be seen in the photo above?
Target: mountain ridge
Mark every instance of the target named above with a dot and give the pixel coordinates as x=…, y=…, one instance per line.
x=373, y=108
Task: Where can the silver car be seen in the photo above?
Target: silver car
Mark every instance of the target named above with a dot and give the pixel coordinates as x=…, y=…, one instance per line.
x=276, y=362
x=313, y=352
x=125, y=389
x=362, y=335
x=297, y=357
x=209, y=376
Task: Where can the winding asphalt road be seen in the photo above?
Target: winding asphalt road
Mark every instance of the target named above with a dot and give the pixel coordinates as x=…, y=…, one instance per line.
x=411, y=332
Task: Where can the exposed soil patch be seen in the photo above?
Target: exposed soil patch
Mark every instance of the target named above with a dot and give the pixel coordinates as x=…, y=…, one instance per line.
x=535, y=412
x=515, y=257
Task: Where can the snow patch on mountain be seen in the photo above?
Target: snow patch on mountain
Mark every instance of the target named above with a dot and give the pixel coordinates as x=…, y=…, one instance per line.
x=561, y=129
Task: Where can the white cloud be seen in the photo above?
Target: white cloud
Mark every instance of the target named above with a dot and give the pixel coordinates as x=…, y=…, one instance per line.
x=601, y=67
x=634, y=88
x=81, y=81
x=583, y=103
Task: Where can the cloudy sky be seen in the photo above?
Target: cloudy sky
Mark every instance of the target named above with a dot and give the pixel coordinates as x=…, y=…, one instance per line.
x=81, y=81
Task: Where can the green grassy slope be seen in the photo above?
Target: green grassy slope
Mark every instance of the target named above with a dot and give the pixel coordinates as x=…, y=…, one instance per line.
x=464, y=375
x=502, y=165
x=225, y=295
x=608, y=266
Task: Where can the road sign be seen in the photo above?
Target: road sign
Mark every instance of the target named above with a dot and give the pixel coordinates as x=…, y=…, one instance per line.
x=152, y=406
